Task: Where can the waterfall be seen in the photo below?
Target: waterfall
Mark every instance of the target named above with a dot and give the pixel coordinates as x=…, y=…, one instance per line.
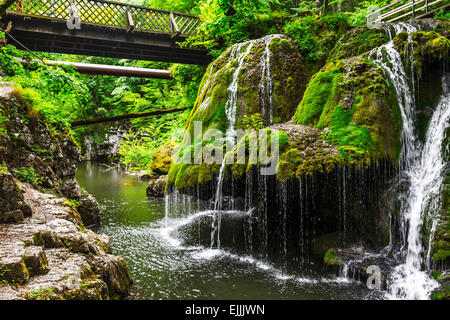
x=266, y=85
x=421, y=166
x=230, y=110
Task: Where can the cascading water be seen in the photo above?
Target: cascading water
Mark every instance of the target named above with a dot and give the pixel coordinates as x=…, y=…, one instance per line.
x=266, y=85
x=421, y=166
x=230, y=110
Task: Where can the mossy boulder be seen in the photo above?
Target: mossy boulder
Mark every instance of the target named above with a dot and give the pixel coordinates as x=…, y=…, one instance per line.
x=358, y=41
x=357, y=105
x=419, y=48
x=162, y=160
x=270, y=81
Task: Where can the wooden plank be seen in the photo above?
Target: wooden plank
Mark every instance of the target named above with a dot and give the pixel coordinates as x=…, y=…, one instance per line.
x=399, y=9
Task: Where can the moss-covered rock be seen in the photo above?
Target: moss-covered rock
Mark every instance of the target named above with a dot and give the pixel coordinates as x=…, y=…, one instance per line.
x=357, y=104
x=270, y=67
x=357, y=42
x=162, y=160
x=270, y=81
x=421, y=47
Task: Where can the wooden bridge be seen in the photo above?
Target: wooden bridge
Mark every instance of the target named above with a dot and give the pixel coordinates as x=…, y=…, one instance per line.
x=103, y=28
x=402, y=10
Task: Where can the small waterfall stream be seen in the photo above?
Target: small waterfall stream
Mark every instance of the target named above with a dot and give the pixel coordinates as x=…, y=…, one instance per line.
x=230, y=110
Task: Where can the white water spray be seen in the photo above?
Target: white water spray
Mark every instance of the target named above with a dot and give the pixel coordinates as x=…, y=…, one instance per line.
x=422, y=167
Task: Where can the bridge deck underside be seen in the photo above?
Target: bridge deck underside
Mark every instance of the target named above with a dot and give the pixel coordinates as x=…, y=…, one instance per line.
x=48, y=35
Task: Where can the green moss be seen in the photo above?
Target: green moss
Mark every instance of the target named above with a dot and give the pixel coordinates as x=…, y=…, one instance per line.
x=319, y=95
x=443, y=294
x=358, y=105
x=330, y=258
x=162, y=160
x=358, y=41
x=42, y=294
x=441, y=255
x=425, y=46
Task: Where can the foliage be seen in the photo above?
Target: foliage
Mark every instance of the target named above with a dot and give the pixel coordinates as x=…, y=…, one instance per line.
x=442, y=14
x=316, y=36
x=254, y=121
x=56, y=92
x=27, y=175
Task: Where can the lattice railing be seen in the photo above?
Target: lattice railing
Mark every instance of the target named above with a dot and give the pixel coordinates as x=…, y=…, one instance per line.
x=113, y=14
x=402, y=10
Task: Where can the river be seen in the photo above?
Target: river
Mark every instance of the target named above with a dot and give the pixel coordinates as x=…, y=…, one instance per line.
x=164, y=267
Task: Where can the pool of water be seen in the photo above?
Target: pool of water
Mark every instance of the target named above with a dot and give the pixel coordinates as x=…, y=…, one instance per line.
x=164, y=267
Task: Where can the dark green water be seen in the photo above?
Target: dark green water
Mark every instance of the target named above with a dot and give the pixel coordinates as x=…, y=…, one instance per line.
x=163, y=268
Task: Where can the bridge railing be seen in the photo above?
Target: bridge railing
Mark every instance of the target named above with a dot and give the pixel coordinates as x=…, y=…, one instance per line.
x=402, y=10
x=115, y=14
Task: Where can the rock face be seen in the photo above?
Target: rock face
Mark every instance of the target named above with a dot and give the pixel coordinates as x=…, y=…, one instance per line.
x=49, y=254
x=260, y=80
x=52, y=256
x=162, y=160
x=13, y=207
x=156, y=187
x=37, y=154
x=338, y=156
x=103, y=145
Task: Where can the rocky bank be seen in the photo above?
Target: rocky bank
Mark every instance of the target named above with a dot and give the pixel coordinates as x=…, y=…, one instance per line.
x=46, y=251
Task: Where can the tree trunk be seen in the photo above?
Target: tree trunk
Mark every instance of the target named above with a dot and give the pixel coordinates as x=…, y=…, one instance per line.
x=124, y=117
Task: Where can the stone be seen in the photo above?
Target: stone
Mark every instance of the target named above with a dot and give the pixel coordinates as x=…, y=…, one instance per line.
x=71, y=189
x=156, y=187
x=89, y=210
x=36, y=260
x=12, y=216
x=13, y=270
x=11, y=199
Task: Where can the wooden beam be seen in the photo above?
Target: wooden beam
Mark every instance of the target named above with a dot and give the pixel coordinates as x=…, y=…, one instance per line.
x=40, y=34
x=86, y=122
x=106, y=70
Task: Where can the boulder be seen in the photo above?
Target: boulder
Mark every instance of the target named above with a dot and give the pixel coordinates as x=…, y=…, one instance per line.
x=156, y=187
x=36, y=260
x=13, y=206
x=162, y=160
x=89, y=210
x=12, y=216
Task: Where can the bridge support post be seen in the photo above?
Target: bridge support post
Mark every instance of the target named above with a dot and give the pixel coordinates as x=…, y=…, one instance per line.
x=130, y=20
